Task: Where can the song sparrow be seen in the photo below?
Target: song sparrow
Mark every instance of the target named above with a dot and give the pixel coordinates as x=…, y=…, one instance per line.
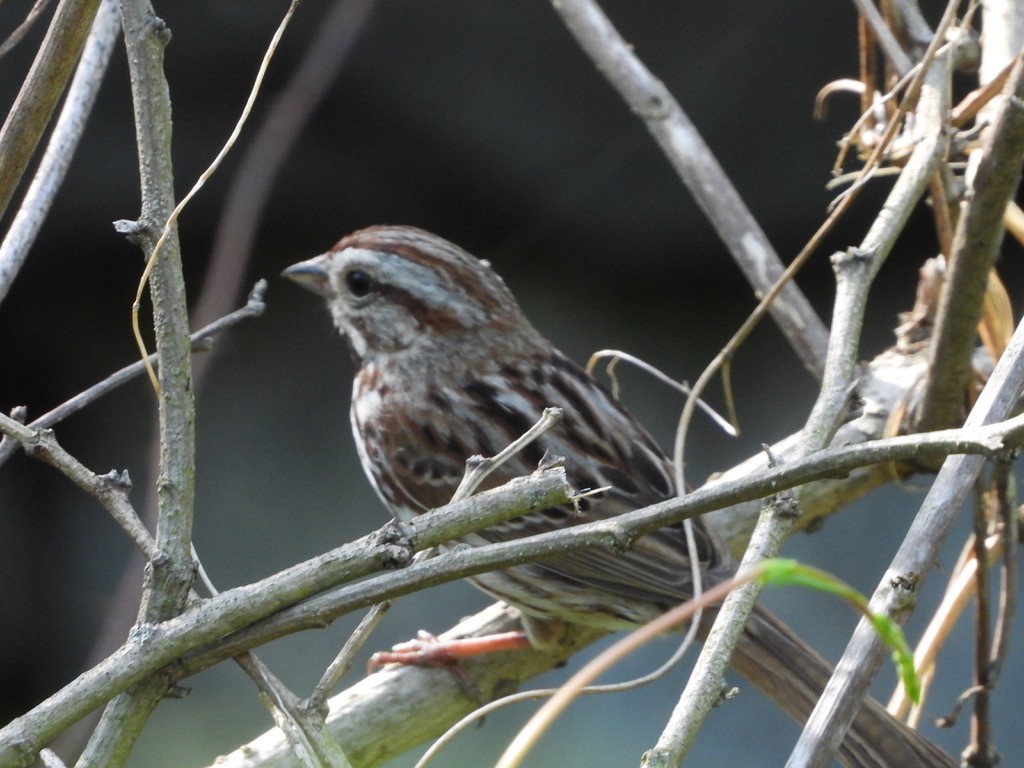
x=450, y=367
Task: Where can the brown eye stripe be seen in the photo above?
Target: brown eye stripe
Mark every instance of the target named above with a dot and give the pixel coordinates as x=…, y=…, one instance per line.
x=461, y=269
x=440, y=319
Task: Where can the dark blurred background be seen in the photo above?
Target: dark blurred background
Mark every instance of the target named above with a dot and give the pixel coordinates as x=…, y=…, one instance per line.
x=485, y=123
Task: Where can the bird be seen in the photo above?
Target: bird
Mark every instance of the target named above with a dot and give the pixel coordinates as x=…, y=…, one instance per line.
x=448, y=367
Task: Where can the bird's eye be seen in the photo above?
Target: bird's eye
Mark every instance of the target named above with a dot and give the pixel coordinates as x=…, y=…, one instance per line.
x=359, y=283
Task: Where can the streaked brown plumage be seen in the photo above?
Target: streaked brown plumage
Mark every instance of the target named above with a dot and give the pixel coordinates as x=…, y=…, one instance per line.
x=450, y=367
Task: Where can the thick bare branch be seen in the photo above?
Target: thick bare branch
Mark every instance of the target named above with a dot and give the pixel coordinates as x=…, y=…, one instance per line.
x=413, y=704
x=168, y=577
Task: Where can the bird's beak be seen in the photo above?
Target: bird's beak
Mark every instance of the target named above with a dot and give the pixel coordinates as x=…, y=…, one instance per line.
x=311, y=275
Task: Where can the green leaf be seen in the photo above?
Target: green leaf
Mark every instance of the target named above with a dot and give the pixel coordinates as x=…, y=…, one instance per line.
x=787, y=572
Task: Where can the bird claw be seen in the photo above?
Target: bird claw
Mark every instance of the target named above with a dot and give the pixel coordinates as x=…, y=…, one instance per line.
x=427, y=650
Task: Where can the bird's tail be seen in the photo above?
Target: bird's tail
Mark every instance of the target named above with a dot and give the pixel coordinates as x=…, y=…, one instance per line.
x=793, y=675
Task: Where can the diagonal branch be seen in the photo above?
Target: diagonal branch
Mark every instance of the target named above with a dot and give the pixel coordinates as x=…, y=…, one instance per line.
x=18, y=34
x=700, y=172
x=200, y=340
x=111, y=490
x=244, y=617
x=41, y=90
x=61, y=146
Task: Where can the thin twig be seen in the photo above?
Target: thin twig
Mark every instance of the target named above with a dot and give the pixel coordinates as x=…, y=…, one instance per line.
x=1007, y=532
x=886, y=39
x=681, y=387
x=111, y=490
x=22, y=29
x=979, y=750
x=200, y=340
x=170, y=222
x=479, y=467
x=343, y=661
x=311, y=744
x=950, y=718
x=272, y=140
x=910, y=98
x=973, y=103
